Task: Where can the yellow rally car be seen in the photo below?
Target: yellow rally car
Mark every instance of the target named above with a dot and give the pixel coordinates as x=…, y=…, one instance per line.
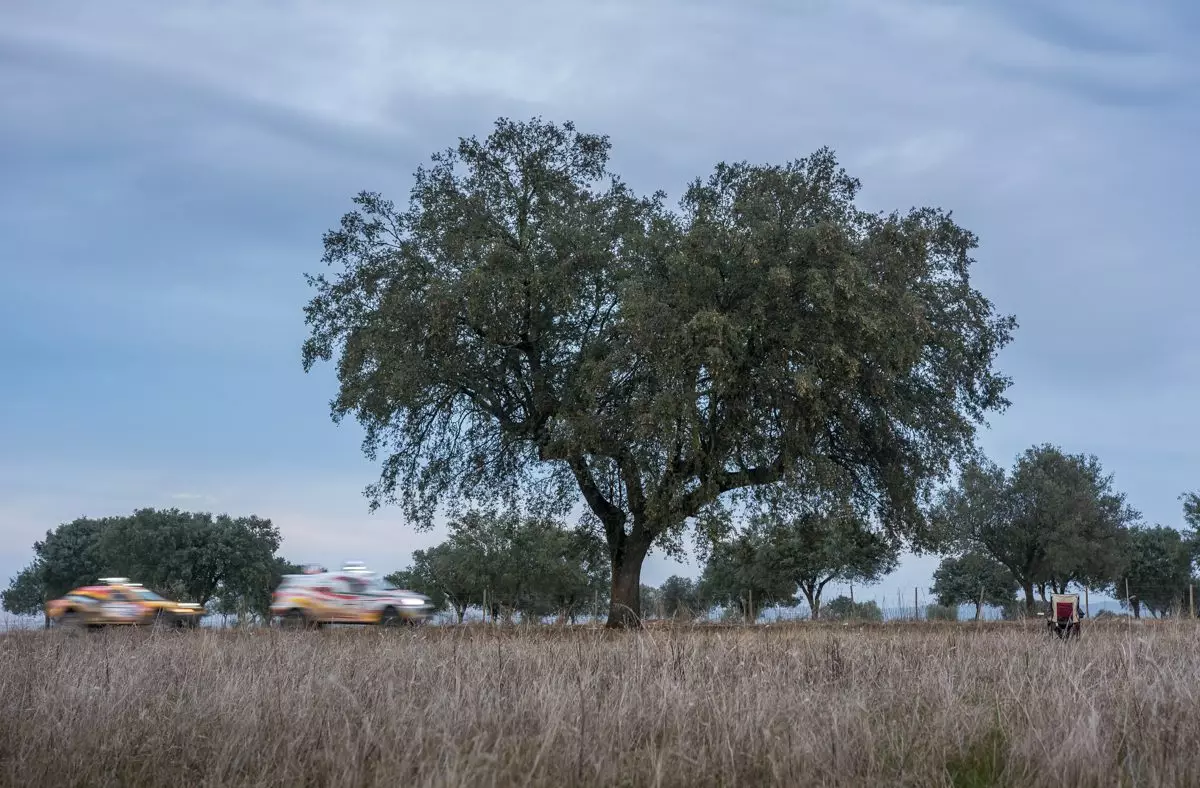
x=353, y=596
x=120, y=602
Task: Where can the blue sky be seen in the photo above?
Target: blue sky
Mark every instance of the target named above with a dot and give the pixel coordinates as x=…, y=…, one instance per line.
x=167, y=170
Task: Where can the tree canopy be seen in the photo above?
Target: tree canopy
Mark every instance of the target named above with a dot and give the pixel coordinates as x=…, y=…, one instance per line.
x=1054, y=520
x=528, y=326
x=187, y=556
x=1157, y=571
x=818, y=536
x=25, y=595
x=973, y=578
x=747, y=572
x=682, y=598
x=843, y=608
x=517, y=564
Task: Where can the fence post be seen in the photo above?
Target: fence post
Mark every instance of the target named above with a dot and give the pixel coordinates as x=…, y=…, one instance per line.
x=916, y=606
x=1192, y=600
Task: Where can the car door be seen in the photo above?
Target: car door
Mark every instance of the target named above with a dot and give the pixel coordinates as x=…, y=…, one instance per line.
x=342, y=601
x=120, y=607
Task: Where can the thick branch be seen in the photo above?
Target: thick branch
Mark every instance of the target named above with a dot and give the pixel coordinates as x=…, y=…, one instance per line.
x=612, y=517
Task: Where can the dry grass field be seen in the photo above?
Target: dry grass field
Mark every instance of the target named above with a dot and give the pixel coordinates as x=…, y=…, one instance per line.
x=797, y=705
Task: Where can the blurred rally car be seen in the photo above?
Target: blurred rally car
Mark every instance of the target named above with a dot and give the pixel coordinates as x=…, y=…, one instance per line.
x=120, y=602
x=352, y=596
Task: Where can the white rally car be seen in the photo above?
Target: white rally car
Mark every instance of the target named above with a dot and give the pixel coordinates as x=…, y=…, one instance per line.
x=352, y=596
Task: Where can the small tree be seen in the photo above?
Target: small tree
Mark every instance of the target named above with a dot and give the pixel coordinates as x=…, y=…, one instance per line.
x=819, y=537
x=26, y=593
x=973, y=578
x=681, y=597
x=941, y=612
x=843, y=608
x=746, y=572
x=652, y=604
x=1157, y=570
x=1055, y=520
x=449, y=574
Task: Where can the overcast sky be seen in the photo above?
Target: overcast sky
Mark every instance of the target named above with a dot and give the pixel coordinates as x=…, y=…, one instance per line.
x=167, y=171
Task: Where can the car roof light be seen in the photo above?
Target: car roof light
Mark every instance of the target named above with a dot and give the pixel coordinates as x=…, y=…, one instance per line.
x=112, y=581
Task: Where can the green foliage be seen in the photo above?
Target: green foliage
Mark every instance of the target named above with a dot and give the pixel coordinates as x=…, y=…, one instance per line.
x=682, y=598
x=842, y=608
x=24, y=595
x=973, y=578
x=651, y=598
x=251, y=595
x=192, y=556
x=1018, y=610
x=70, y=556
x=1191, y=510
x=529, y=565
x=1055, y=520
x=529, y=330
x=941, y=612
x=449, y=573
x=1157, y=572
x=1191, y=517
x=746, y=572
x=819, y=537
x=182, y=555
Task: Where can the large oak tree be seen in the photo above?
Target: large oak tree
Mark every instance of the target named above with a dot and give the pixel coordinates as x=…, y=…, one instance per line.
x=528, y=327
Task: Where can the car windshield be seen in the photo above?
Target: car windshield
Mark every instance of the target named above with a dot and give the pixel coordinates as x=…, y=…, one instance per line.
x=146, y=593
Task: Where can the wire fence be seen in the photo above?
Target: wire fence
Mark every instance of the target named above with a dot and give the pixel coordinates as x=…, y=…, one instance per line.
x=1146, y=600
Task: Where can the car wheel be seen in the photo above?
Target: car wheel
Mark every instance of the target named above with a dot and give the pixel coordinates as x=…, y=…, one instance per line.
x=70, y=620
x=390, y=618
x=294, y=619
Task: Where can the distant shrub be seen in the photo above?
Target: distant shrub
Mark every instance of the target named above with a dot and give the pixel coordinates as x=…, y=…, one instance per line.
x=1016, y=610
x=844, y=609
x=1110, y=614
x=941, y=612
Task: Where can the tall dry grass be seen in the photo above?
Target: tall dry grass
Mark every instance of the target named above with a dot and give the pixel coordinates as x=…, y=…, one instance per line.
x=920, y=705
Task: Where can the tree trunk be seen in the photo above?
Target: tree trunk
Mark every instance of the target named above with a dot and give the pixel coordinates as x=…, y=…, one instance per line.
x=978, y=610
x=1042, y=592
x=1028, y=589
x=625, y=605
x=1137, y=608
x=814, y=601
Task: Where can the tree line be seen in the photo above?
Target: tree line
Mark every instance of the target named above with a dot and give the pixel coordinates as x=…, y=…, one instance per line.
x=1052, y=523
